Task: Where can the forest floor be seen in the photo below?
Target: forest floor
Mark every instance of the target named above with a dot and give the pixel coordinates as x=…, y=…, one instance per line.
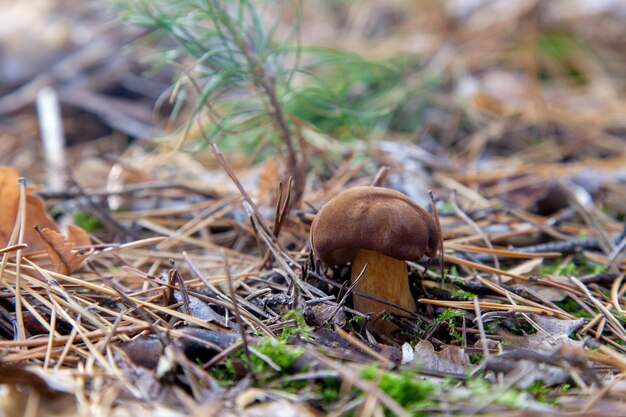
x=158, y=261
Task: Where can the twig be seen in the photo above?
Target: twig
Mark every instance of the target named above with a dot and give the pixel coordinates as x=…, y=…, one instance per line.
x=481, y=267
x=280, y=211
x=344, y=298
x=380, y=177
x=240, y=323
x=441, y=248
x=469, y=305
x=51, y=125
x=481, y=329
x=223, y=354
x=127, y=189
x=181, y=287
x=20, y=222
x=277, y=252
x=618, y=328
x=101, y=48
x=112, y=111
x=360, y=294
x=102, y=213
x=603, y=241
x=231, y=174
x=614, y=256
x=478, y=230
x=362, y=346
x=511, y=295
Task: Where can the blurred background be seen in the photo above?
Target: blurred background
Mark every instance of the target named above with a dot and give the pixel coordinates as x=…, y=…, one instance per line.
x=468, y=81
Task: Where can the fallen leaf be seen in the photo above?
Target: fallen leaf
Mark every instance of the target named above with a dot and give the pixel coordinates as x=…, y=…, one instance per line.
x=324, y=313
x=277, y=408
x=36, y=215
x=9, y=206
x=9, y=201
x=199, y=309
x=78, y=236
x=532, y=267
x=535, y=360
x=449, y=361
x=34, y=378
x=48, y=238
x=554, y=333
x=65, y=259
x=197, y=344
x=19, y=383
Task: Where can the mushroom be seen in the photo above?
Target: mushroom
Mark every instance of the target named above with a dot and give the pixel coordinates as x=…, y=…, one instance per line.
x=380, y=228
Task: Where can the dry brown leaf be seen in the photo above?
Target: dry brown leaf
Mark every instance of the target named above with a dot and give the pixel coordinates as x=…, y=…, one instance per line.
x=199, y=309
x=271, y=405
x=78, y=236
x=280, y=408
x=34, y=378
x=36, y=215
x=553, y=334
x=9, y=205
x=9, y=201
x=47, y=238
x=18, y=384
x=324, y=313
x=449, y=361
x=551, y=338
x=64, y=259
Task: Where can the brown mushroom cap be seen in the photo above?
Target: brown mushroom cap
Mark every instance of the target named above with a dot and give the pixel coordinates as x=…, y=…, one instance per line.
x=373, y=218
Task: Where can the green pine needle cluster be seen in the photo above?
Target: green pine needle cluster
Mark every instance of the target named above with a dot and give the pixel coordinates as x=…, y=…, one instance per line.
x=255, y=85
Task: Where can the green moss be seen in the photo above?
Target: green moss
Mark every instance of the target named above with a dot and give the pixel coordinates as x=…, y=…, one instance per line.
x=279, y=352
x=620, y=317
x=559, y=268
x=572, y=307
x=87, y=221
x=301, y=329
x=328, y=390
x=403, y=386
x=577, y=268
x=455, y=272
x=542, y=393
x=453, y=279
x=475, y=358
x=452, y=317
x=276, y=350
x=463, y=295
x=561, y=47
x=483, y=390
x=223, y=374
x=447, y=314
x=510, y=398
x=558, y=45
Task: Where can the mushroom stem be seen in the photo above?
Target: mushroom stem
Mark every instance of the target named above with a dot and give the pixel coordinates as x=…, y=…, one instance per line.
x=385, y=278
